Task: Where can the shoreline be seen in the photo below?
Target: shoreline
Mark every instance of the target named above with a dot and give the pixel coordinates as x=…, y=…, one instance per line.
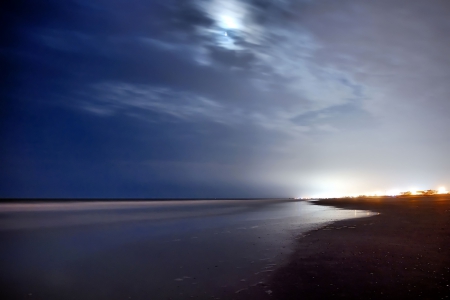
x=400, y=252
x=216, y=249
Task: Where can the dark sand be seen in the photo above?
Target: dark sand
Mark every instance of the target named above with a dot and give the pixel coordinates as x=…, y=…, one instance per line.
x=402, y=253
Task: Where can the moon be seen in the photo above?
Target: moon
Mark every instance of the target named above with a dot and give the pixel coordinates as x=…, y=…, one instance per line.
x=229, y=22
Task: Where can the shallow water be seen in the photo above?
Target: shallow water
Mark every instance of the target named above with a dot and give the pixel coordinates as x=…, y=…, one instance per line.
x=150, y=250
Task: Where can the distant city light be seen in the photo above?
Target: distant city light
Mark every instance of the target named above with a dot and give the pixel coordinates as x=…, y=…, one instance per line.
x=442, y=190
x=413, y=191
x=393, y=192
x=390, y=193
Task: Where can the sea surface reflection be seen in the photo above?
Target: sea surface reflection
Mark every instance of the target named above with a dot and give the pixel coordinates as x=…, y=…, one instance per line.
x=162, y=249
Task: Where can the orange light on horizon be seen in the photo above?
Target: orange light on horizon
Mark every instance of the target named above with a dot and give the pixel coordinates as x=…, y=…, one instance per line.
x=386, y=193
x=393, y=193
x=442, y=190
x=414, y=191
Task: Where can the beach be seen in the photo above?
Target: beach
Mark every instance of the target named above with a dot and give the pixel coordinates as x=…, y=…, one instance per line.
x=402, y=252
x=373, y=248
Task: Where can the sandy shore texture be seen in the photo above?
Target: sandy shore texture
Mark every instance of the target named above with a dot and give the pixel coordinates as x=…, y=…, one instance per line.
x=401, y=253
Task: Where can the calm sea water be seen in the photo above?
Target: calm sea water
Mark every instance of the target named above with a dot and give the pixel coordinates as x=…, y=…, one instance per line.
x=149, y=250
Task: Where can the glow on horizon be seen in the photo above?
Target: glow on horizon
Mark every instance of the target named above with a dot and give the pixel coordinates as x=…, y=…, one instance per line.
x=392, y=193
x=413, y=191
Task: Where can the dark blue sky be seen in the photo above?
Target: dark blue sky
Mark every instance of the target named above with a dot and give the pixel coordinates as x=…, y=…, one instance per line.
x=223, y=98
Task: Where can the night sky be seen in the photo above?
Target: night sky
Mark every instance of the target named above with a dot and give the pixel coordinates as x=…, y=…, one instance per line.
x=223, y=98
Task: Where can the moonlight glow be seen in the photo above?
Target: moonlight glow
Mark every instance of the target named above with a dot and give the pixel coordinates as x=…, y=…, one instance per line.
x=228, y=22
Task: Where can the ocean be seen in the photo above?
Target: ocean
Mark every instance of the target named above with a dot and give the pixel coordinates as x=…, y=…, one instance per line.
x=150, y=249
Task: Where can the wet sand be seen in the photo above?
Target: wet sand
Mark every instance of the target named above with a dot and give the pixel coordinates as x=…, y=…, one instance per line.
x=402, y=253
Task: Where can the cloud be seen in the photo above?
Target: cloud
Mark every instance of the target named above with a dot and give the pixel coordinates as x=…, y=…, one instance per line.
x=284, y=88
x=121, y=97
x=143, y=101
x=282, y=56
x=272, y=58
x=266, y=78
